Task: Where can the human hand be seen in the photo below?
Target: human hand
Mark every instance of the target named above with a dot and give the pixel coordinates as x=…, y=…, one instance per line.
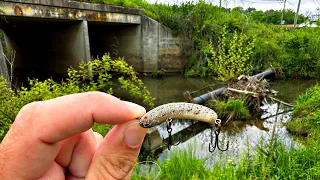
x=53, y=139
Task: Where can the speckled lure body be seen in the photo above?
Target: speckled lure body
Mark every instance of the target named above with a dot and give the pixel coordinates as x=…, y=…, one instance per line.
x=178, y=110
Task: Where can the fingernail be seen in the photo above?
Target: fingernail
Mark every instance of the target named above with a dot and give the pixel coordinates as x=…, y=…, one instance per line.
x=137, y=109
x=134, y=135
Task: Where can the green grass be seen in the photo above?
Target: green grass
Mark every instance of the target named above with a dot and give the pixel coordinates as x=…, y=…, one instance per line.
x=231, y=109
x=180, y=165
x=306, y=112
x=272, y=161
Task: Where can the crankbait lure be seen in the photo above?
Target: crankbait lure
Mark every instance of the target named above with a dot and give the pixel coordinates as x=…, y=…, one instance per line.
x=181, y=110
x=178, y=110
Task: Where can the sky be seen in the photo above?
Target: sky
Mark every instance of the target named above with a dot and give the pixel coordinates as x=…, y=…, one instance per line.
x=305, y=6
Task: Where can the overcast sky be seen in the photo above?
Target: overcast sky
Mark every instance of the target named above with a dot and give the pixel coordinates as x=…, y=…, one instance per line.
x=306, y=5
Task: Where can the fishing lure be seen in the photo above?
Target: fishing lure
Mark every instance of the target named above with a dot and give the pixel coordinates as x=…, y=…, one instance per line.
x=181, y=110
x=178, y=110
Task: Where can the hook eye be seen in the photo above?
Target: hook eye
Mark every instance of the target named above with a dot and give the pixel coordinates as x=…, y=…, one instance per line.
x=217, y=121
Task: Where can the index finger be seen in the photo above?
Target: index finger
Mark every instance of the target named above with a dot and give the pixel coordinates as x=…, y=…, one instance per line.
x=60, y=118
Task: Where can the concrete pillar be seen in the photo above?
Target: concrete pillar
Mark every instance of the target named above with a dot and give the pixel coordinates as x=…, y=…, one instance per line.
x=150, y=41
x=86, y=41
x=161, y=48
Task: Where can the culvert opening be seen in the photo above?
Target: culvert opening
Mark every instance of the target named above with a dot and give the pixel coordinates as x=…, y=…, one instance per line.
x=119, y=40
x=43, y=47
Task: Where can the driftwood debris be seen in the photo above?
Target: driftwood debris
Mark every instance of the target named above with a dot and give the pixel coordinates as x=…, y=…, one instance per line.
x=257, y=95
x=253, y=89
x=206, y=97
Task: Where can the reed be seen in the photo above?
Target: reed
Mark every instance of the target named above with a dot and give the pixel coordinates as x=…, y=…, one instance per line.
x=271, y=161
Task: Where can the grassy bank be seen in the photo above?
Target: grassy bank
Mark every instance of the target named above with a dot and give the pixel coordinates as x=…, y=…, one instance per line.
x=271, y=161
x=240, y=41
x=307, y=114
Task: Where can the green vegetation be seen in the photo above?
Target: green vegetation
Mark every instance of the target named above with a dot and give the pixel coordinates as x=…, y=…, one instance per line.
x=180, y=165
x=273, y=161
x=273, y=16
x=306, y=113
x=96, y=75
x=231, y=109
x=225, y=44
x=227, y=65
x=158, y=73
x=268, y=161
x=223, y=39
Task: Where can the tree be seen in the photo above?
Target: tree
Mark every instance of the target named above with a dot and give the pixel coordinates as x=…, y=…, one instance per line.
x=274, y=16
x=250, y=9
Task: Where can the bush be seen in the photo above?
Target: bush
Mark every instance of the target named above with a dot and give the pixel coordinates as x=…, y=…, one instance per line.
x=292, y=52
x=96, y=75
x=231, y=59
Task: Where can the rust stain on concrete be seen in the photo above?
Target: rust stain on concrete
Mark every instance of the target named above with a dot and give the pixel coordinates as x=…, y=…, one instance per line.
x=18, y=10
x=79, y=14
x=39, y=11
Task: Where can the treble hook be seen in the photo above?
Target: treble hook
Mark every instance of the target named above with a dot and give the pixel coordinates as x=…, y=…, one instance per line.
x=217, y=132
x=169, y=130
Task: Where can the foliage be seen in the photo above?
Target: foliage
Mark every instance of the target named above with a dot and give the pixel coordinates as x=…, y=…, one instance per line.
x=306, y=112
x=271, y=161
x=96, y=75
x=158, y=73
x=103, y=71
x=274, y=16
x=292, y=52
x=302, y=58
x=231, y=58
x=103, y=129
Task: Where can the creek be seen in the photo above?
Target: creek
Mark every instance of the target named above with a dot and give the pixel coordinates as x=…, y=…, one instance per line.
x=242, y=135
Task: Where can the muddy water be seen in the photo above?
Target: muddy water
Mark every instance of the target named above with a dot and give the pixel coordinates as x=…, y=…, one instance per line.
x=240, y=134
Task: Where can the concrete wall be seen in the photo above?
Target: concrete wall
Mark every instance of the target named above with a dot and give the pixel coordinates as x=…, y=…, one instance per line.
x=161, y=48
x=150, y=44
x=170, y=50
x=50, y=36
x=75, y=5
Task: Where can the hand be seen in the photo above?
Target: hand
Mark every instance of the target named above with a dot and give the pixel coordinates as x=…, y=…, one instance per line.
x=53, y=139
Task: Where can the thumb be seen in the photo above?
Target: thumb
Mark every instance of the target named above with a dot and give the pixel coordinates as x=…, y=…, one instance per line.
x=118, y=152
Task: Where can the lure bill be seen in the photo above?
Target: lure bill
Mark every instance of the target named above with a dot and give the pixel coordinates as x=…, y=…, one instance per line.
x=178, y=110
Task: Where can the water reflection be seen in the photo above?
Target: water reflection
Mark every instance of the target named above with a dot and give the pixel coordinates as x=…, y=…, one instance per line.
x=242, y=135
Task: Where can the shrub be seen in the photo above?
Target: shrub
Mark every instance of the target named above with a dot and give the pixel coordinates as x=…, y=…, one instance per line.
x=231, y=59
x=96, y=75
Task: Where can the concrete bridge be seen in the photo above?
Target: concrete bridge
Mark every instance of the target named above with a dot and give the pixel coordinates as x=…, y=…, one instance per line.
x=52, y=35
